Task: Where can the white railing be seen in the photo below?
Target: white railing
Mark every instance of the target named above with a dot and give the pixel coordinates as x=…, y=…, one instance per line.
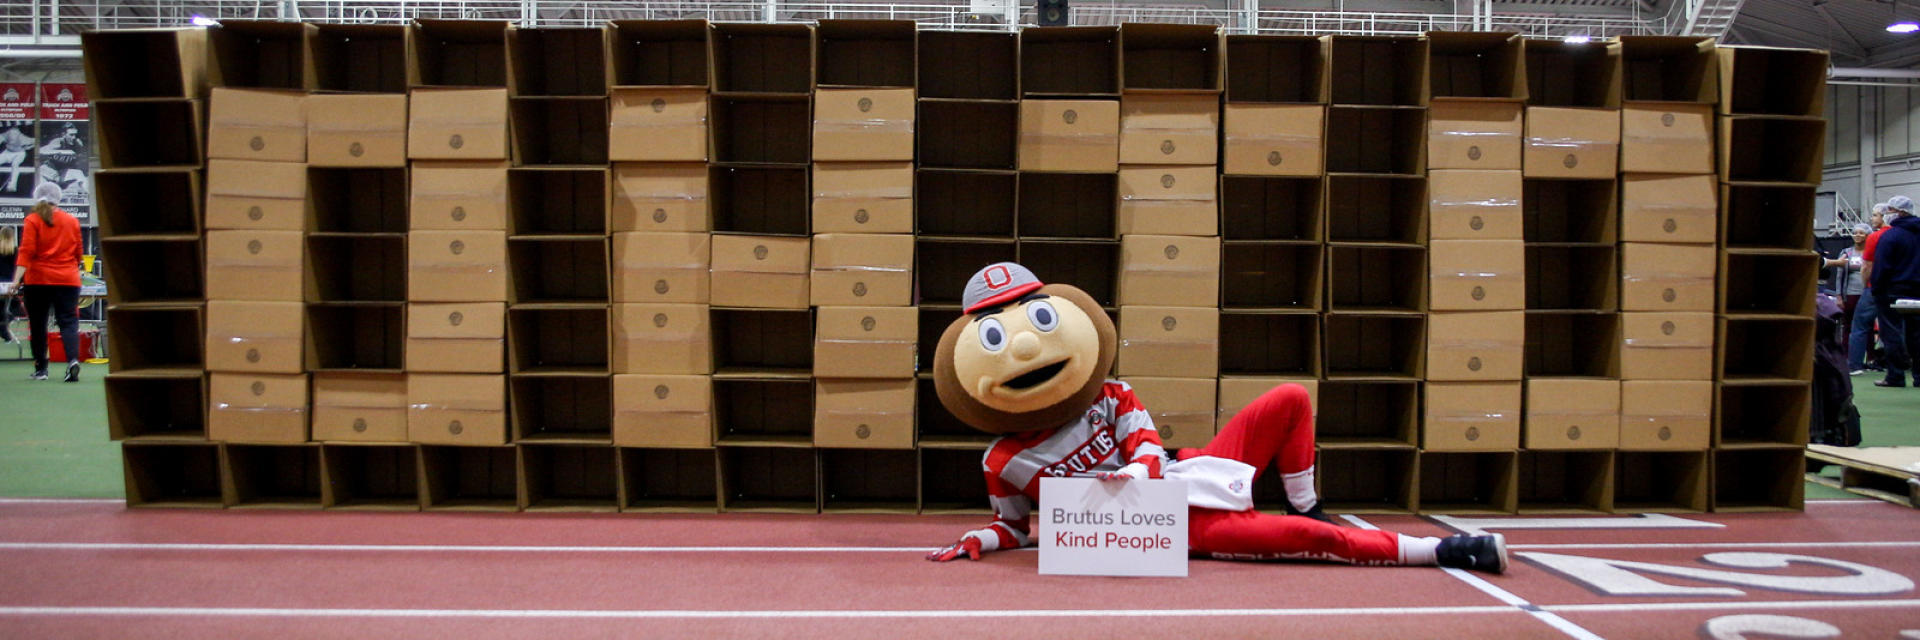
x=55, y=22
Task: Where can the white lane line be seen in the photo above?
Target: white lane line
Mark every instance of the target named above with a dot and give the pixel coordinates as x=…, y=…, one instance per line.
x=585, y=613
x=1846, y=501
x=1551, y=619
x=1358, y=522
x=1714, y=606
x=61, y=501
x=404, y=548
x=1715, y=545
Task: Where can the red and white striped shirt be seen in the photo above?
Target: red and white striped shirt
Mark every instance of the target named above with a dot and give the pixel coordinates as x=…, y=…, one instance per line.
x=1114, y=432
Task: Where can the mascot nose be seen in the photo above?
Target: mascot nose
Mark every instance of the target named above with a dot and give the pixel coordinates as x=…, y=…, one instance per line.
x=1026, y=346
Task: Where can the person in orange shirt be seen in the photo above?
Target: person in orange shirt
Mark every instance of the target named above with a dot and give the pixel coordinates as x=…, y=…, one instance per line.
x=47, y=273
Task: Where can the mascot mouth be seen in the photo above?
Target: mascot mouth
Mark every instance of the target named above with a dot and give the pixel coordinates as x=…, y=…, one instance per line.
x=1035, y=377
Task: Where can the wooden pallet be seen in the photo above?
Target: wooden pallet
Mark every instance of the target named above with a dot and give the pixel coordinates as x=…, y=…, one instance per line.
x=1887, y=473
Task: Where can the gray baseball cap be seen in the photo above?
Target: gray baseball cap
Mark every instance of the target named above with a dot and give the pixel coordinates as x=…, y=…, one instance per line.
x=997, y=284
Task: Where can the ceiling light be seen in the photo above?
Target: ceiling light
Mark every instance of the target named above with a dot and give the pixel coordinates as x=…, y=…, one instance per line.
x=1903, y=27
x=203, y=21
x=1577, y=39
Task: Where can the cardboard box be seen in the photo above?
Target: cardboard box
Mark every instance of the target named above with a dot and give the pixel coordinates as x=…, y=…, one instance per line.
x=1070, y=61
x=256, y=195
x=145, y=63
x=670, y=412
x=863, y=197
x=1472, y=416
x=1379, y=70
x=256, y=337
x=256, y=265
x=359, y=407
x=1168, y=200
x=458, y=196
x=1666, y=346
x=257, y=408
x=1181, y=342
x=569, y=130
x=1581, y=344
x=1486, y=66
x=461, y=53
x=661, y=267
x=1667, y=277
x=464, y=337
x=867, y=269
x=1571, y=143
x=1668, y=208
x=1473, y=134
x=863, y=414
x=761, y=129
x=660, y=197
x=1270, y=68
x=1476, y=346
x=1170, y=129
x=1170, y=57
x=662, y=339
x=1772, y=81
x=659, y=53
x=658, y=124
x=457, y=266
x=1477, y=275
x=1377, y=140
x=766, y=272
x=1666, y=138
x=1375, y=345
x=865, y=342
x=1573, y=74
x=1670, y=69
x=457, y=124
x=351, y=130
x=364, y=58
x=456, y=409
x=1274, y=139
x=1238, y=392
x=1475, y=205
x=1182, y=409
x=1665, y=415
x=974, y=65
x=863, y=124
x=1070, y=135
x=1772, y=149
x=1173, y=271
x=257, y=124
x=559, y=61
x=1572, y=413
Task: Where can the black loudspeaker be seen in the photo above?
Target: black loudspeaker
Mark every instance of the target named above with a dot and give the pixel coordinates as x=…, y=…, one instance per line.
x=1053, y=13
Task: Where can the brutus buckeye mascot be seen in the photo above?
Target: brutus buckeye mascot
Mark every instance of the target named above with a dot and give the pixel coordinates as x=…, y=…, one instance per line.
x=1028, y=362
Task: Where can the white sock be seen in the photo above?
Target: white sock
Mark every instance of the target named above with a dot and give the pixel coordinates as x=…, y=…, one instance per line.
x=1419, y=551
x=1299, y=486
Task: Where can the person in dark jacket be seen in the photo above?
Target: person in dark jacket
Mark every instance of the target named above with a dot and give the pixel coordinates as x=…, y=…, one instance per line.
x=1895, y=276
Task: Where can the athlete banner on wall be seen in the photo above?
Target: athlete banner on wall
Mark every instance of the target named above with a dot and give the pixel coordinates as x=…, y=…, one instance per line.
x=65, y=149
x=19, y=102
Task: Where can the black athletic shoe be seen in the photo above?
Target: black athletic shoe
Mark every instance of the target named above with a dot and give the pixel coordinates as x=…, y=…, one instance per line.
x=1481, y=553
x=73, y=372
x=1315, y=512
x=1889, y=383
x=38, y=374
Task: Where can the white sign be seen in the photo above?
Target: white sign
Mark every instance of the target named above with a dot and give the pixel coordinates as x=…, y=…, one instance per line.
x=1090, y=527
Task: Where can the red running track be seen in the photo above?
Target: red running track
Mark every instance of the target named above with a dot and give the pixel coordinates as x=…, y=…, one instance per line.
x=94, y=569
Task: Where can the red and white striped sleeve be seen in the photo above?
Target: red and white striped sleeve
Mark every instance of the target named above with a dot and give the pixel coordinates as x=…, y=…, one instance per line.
x=1012, y=509
x=1139, y=441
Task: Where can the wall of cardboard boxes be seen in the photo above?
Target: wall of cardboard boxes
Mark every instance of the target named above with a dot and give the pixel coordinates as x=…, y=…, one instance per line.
x=667, y=265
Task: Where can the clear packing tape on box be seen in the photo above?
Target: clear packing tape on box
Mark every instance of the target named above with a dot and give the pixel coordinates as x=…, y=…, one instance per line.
x=873, y=125
x=886, y=192
x=1478, y=203
x=430, y=406
x=455, y=267
x=258, y=410
x=1669, y=279
x=659, y=123
x=1071, y=137
x=1477, y=345
x=1469, y=417
x=1569, y=143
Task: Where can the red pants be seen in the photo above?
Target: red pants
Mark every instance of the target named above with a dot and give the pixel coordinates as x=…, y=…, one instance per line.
x=1278, y=427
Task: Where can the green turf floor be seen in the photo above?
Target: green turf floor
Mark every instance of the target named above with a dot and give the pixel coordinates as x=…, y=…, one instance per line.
x=53, y=435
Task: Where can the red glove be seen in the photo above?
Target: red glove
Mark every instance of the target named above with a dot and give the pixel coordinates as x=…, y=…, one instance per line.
x=969, y=546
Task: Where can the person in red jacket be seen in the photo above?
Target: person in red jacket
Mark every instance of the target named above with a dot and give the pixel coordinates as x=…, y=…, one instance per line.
x=47, y=273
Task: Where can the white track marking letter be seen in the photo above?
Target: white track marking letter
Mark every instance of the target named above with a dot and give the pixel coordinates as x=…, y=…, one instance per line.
x=1622, y=577
x=1736, y=627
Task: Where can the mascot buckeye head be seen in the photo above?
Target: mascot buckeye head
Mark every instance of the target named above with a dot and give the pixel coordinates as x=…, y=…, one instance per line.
x=1025, y=355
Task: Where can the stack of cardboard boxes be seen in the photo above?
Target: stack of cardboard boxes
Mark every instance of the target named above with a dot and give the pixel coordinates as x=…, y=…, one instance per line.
x=1272, y=222
x=1570, y=195
x=149, y=193
x=966, y=194
x=761, y=320
x=1667, y=262
x=1375, y=327
x=257, y=214
x=1169, y=225
x=862, y=267
x=560, y=376
x=662, y=254
x=667, y=266
x=1771, y=130
x=457, y=262
x=1477, y=271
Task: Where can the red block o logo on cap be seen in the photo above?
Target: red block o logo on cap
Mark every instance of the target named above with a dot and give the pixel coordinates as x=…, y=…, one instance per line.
x=997, y=277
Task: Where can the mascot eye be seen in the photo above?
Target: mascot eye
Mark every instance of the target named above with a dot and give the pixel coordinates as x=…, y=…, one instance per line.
x=1042, y=315
x=992, y=335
